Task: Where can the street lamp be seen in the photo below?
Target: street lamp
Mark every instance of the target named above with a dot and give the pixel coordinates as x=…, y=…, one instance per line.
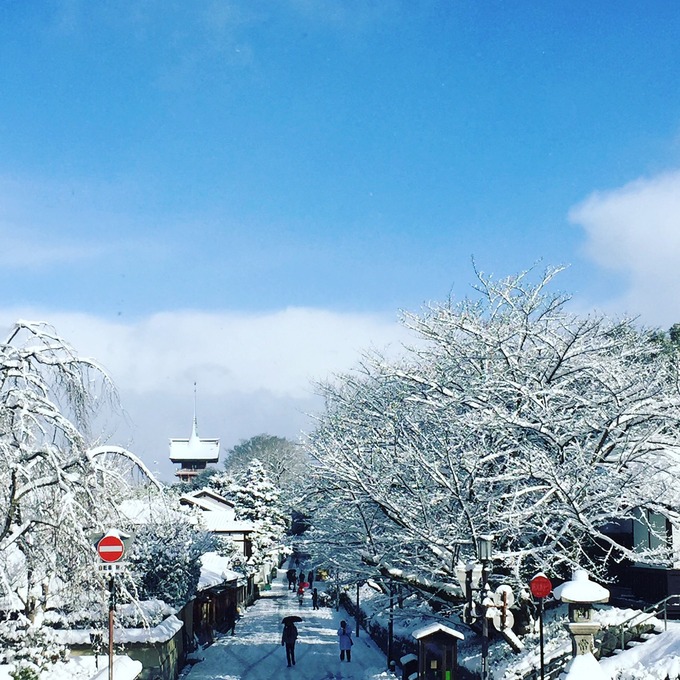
x=485, y=555
x=485, y=548
x=473, y=578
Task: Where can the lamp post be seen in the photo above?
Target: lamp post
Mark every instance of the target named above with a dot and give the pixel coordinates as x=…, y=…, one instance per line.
x=390, y=628
x=484, y=553
x=358, y=611
x=337, y=589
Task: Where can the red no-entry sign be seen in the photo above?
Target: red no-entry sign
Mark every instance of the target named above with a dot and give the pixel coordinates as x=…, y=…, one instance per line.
x=540, y=586
x=110, y=548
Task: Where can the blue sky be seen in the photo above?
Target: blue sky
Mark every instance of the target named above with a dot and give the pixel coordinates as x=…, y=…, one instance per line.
x=294, y=172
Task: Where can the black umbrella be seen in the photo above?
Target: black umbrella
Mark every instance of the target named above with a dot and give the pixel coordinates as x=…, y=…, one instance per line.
x=290, y=619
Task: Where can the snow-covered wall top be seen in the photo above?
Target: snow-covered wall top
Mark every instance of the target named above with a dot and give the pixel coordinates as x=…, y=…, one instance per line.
x=215, y=571
x=163, y=632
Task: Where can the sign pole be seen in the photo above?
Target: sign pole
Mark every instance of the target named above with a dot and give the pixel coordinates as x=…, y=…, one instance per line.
x=112, y=608
x=540, y=635
x=540, y=587
x=110, y=548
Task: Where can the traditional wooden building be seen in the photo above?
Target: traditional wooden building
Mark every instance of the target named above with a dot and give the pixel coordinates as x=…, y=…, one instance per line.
x=219, y=517
x=193, y=454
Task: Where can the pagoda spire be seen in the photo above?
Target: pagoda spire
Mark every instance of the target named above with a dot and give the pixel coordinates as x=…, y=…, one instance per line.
x=194, y=431
x=193, y=453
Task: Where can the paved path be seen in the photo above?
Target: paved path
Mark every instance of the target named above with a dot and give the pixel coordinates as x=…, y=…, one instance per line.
x=255, y=652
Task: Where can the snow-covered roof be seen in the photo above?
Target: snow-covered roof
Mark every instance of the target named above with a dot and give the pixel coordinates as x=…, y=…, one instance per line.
x=194, y=449
x=215, y=570
x=218, y=513
x=207, y=499
x=141, y=511
x=436, y=628
x=224, y=523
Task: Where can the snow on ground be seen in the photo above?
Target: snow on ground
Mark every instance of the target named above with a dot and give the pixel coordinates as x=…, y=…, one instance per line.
x=86, y=668
x=656, y=659
x=255, y=652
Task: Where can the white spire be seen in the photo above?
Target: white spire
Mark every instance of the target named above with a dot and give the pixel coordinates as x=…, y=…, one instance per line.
x=194, y=431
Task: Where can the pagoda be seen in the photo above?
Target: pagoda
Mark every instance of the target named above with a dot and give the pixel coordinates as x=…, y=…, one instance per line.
x=193, y=454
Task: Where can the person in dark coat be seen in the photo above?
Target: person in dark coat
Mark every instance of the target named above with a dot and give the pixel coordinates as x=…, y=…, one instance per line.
x=310, y=578
x=232, y=616
x=291, y=574
x=345, y=641
x=288, y=639
x=301, y=580
x=315, y=599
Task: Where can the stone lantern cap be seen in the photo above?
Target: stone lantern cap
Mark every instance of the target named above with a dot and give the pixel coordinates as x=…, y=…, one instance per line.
x=581, y=590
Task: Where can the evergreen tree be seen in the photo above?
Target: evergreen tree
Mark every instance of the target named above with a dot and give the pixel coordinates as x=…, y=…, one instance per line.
x=257, y=499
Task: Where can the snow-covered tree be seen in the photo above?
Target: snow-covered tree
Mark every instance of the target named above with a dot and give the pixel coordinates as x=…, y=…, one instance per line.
x=53, y=493
x=285, y=462
x=509, y=416
x=50, y=490
x=165, y=558
x=257, y=499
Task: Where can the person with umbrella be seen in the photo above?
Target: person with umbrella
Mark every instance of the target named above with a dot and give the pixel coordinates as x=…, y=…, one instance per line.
x=289, y=637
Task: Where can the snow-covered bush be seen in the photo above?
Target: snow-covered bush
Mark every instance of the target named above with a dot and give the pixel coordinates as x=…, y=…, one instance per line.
x=28, y=647
x=25, y=672
x=165, y=559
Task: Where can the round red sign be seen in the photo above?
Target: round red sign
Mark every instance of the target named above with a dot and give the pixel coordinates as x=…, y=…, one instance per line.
x=540, y=586
x=110, y=548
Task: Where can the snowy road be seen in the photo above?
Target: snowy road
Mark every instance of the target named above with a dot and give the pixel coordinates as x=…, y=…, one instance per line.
x=255, y=652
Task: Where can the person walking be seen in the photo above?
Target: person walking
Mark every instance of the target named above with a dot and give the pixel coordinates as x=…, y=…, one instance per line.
x=291, y=574
x=288, y=639
x=345, y=641
x=232, y=617
x=301, y=594
x=315, y=599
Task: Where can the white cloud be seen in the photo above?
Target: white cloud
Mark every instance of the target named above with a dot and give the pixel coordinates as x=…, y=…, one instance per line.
x=635, y=230
x=254, y=372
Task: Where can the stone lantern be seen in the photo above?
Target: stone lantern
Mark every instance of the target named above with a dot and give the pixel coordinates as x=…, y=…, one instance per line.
x=581, y=594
